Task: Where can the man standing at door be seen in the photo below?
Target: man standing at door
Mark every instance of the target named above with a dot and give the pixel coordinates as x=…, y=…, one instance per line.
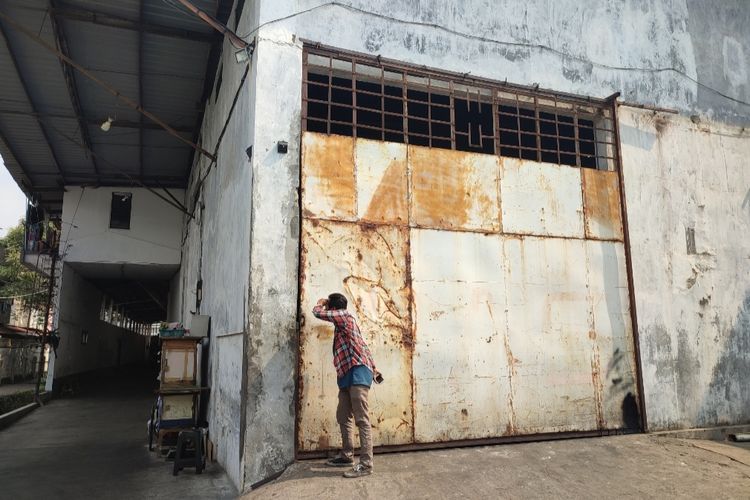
x=354, y=371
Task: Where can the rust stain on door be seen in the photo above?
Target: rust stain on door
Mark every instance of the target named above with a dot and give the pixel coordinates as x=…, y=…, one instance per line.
x=454, y=189
x=381, y=181
x=601, y=203
x=368, y=264
x=328, y=178
x=483, y=327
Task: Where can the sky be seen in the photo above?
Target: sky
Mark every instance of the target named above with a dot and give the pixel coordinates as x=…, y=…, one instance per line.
x=12, y=201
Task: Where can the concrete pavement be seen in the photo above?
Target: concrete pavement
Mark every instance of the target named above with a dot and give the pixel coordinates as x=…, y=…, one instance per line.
x=95, y=446
x=634, y=466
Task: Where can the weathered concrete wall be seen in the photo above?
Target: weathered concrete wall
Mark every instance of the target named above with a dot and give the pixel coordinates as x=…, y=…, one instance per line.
x=226, y=402
x=652, y=52
x=646, y=50
x=692, y=293
x=216, y=249
x=79, y=306
x=153, y=237
x=272, y=308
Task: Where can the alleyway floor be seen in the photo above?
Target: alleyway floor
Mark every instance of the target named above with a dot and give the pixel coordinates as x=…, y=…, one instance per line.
x=634, y=466
x=94, y=445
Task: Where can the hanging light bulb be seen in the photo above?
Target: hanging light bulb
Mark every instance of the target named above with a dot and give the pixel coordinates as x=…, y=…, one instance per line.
x=107, y=124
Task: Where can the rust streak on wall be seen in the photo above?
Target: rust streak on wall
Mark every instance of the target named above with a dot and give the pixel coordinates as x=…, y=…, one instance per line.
x=596, y=379
x=382, y=165
x=479, y=332
x=511, y=428
x=454, y=189
x=441, y=198
x=328, y=176
x=601, y=203
x=389, y=201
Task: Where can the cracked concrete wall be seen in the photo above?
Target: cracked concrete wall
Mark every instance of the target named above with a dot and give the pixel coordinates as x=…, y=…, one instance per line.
x=652, y=52
x=216, y=247
x=646, y=50
x=271, y=353
x=688, y=181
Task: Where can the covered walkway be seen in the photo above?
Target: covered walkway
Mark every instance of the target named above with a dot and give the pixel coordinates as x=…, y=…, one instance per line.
x=94, y=445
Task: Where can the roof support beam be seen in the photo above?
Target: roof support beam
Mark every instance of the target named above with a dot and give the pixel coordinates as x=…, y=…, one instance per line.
x=31, y=103
x=92, y=121
x=140, y=91
x=112, y=21
x=70, y=83
x=109, y=88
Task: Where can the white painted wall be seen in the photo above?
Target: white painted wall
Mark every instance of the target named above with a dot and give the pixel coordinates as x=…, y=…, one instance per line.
x=79, y=306
x=153, y=237
x=652, y=52
x=693, y=309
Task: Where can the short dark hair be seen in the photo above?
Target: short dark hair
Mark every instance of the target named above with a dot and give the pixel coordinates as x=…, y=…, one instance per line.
x=336, y=301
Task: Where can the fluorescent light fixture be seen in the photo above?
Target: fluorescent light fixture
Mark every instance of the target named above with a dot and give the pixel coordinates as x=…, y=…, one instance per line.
x=107, y=124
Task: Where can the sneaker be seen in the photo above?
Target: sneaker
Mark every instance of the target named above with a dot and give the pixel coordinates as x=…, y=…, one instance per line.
x=340, y=462
x=359, y=470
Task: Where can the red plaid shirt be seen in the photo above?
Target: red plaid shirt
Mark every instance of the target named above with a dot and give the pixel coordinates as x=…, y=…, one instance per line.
x=349, y=347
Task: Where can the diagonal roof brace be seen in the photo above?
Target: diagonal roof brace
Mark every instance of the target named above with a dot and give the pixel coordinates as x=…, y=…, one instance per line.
x=25, y=88
x=132, y=104
x=235, y=40
x=113, y=21
x=75, y=100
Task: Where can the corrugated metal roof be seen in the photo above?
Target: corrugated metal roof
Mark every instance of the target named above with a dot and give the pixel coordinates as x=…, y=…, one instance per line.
x=39, y=126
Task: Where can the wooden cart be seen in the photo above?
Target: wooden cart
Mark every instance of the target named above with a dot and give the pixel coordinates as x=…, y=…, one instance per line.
x=178, y=396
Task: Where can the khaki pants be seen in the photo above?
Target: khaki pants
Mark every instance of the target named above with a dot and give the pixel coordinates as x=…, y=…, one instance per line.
x=353, y=406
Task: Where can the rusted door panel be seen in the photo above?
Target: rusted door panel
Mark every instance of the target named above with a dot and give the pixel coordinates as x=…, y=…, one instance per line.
x=381, y=182
x=541, y=199
x=601, y=203
x=368, y=264
x=613, y=360
x=548, y=323
x=454, y=189
x=328, y=179
x=494, y=299
x=460, y=364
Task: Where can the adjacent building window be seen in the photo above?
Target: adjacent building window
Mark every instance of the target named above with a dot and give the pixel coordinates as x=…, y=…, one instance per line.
x=360, y=96
x=84, y=337
x=119, y=216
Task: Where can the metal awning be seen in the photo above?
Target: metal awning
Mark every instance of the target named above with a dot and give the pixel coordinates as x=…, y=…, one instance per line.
x=154, y=52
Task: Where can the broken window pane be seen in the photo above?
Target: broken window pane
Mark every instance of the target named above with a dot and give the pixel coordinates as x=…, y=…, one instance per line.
x=426, y=109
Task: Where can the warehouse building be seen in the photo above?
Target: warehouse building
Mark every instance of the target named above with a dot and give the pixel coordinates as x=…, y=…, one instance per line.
x=538, y=212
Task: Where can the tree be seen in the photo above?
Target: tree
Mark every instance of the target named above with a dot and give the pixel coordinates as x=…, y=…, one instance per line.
x=16, y=280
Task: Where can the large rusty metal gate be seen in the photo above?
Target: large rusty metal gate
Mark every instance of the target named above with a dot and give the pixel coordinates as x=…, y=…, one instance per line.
x=492, y=291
